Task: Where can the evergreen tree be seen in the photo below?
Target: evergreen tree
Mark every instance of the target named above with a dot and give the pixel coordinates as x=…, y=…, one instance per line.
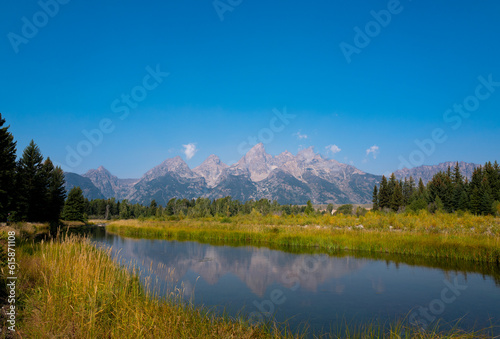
x=7, y=170
x=457, y=178
x=463, y=201
x=408, y=189
x=74, y=206
x=152, y=208
x=421, y=187
x=475, y=201
x=384, y=195
x=56, y=193
x=33, y=184
x=374, y=199
x=496, y=185
x=493, y=176
x=439, y=204
x=486, y=201
x=457, y=195
x=397, y=198
x=391, y=185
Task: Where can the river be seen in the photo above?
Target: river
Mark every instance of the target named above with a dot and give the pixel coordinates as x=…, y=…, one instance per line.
x=320, y=290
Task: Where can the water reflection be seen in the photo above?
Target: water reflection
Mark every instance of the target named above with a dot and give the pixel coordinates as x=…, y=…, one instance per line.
x=316, y=289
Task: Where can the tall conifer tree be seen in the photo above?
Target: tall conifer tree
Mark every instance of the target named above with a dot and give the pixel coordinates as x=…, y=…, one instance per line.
x=7, y=170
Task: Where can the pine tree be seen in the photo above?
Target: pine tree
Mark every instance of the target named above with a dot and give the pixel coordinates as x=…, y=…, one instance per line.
x=475, y=201
x=384, y=196
x=7, y=170
x=407, y=191
x=397, y=198
x=457, y=194
x=375, y=198
x=457, y=178
x=421, y=187
x=463, y=201
x=74, y=206
x=56, y=193
x=392, y=184
x=496, y=186
x=486, y=201
x=493, y=176
x=33, y=184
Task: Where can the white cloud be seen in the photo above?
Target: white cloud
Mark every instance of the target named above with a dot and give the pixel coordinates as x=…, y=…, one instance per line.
x=190, y=150
x=333, y=149
x=300, y=136
x=374, y=150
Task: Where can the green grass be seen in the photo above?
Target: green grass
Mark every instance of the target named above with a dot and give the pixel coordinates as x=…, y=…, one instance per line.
x=70, y=289
x=441, y=236
x=73, y=290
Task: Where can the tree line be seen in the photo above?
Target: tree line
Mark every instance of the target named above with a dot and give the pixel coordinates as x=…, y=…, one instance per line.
x=193, y=208
x=447, y=191
x=32, y=188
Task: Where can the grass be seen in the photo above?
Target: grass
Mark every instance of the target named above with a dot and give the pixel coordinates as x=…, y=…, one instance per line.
x=70, y=289
x=441, y=236
x=74, y=290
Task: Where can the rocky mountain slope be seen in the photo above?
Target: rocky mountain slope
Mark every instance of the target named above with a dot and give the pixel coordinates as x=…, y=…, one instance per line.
x=285, y=177
x=89, y=190
x=426, y=172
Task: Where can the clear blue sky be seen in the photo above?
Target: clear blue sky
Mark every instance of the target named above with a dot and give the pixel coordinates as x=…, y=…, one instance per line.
x=65, y=72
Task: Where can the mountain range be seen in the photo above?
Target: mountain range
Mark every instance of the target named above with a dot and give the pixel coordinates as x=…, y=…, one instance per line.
x=286, y=178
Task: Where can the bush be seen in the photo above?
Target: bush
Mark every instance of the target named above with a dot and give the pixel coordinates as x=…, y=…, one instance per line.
x=344, y=209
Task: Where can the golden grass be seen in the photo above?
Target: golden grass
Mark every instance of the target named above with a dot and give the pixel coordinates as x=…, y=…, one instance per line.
x=78, y=291
x=70, y=289
x=465, y=237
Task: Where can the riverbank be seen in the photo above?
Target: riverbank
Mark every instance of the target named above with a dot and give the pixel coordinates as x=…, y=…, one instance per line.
x=69, y=288
x=461, y=237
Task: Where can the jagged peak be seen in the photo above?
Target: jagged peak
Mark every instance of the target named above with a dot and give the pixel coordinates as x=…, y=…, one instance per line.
x=100, y=170
x=211, y=160
x=258, y=148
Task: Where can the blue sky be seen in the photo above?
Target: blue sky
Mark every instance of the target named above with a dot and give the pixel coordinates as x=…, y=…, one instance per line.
x=70, y=68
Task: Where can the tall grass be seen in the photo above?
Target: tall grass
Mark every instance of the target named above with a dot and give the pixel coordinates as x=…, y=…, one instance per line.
x=465, y=237
x=70, y=289
x=78, y=291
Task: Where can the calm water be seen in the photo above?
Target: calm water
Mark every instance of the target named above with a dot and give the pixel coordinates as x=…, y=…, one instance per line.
x=320, y=290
